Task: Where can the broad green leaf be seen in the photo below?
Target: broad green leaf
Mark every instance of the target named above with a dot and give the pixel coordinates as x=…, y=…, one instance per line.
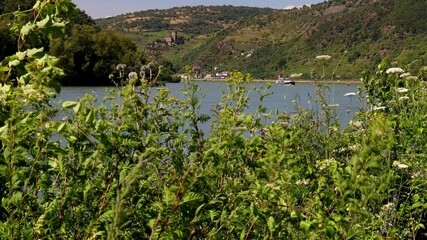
x=3, y=130
x=33, y=51
x=21, y=55
x=62, y=126
x=5, y=88
x=4, y=69
x=42, y=23
x=14, y=63
x=77, y=107
x=305, y=226
x=25, y=30
x=68, y=104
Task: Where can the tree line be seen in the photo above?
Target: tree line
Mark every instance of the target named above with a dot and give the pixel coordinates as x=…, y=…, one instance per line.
x=87, y=53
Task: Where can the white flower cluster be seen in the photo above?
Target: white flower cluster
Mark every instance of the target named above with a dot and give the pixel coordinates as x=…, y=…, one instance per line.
x=296, y=75
x=388, y=207
x=394, y=70
x=323, y=57
x=403, y=98
x=302, y=182
x=403, y=75
x=399, y=165
x=354, y=123
x=418, y=175
x=402, y=90
x=325, y=163
x=411, y=78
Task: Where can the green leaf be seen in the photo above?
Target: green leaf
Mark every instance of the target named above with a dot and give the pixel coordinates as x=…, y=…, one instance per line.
x=21, y=55
x=3, y=130
x=271, y=225
x=5, y=88
x=305, y=226
x=68, y=104
x=62, y=126
x=34, y=51
x=4, y=69
x=42, y=23
x=14, y=63
x=77, y=107
x=25, y=30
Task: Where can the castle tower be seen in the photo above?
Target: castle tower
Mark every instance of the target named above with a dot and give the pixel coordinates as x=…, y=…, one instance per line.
x=174, y=36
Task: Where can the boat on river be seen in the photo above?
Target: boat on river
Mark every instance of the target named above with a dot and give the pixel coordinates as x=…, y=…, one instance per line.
x=285, y=81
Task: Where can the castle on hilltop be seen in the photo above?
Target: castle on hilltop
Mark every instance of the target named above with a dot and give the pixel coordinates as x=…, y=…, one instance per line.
x=172, y=39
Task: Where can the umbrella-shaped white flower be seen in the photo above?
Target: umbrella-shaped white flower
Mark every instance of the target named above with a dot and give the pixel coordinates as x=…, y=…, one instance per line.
x=323, y=57
x=399, y=165
x=402, y=90
x=403, y=75
x=394, y=70
x=411, y=78
x=403, y=98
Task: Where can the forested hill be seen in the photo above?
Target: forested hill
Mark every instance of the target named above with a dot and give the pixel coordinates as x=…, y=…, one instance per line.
x=265, y=42
x=190, y=20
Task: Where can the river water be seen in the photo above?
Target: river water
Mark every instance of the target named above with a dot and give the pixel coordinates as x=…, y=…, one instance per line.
x=282, y=98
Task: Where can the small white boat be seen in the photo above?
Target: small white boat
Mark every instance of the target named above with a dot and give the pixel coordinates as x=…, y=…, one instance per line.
x=285, y=81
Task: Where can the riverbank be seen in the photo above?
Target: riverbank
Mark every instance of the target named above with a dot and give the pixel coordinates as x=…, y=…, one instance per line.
x=305, y=81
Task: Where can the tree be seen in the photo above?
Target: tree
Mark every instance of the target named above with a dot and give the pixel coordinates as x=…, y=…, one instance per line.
x=88, y=55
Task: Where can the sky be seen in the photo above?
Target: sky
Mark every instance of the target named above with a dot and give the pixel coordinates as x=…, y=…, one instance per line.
x=104, y=8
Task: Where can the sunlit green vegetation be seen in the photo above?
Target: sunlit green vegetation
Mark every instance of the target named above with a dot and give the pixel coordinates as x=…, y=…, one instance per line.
x=287, y=40
x=138, y=166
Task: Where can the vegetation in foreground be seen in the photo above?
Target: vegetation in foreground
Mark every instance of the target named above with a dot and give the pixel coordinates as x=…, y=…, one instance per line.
x=139, y=167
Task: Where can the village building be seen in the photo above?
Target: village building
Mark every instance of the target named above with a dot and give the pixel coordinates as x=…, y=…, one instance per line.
x=172, y=39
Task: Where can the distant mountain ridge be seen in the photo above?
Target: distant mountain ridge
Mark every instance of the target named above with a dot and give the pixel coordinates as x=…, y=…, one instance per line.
x=358, y=34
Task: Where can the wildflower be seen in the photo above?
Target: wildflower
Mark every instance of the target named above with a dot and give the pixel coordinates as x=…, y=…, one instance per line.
x=402, y=90
x=378, y=108
x=121, y=67
x=302, y=182
x=416, y=175
x=353, y=147
x=411, y=78
x=403, y=98
x=394, y=70
x=326, y=163
x=323, y=57
x=111, y=76
x=350, y=94
x=403, y=75
x=399, y=165
x=296, y=75
x=357, y=124
x=389, y=206
x=133, y=75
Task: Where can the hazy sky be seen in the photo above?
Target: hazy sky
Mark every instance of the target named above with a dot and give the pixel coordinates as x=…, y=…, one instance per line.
x=103, y=8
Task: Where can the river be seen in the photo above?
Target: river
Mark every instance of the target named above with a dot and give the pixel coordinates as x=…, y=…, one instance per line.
x=283, y=98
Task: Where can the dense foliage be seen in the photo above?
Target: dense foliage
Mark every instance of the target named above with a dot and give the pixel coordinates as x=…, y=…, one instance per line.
x=87, y=54
x=138, y=166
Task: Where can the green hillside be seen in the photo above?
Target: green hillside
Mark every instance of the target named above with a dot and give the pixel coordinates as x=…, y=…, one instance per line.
x=358, y=34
